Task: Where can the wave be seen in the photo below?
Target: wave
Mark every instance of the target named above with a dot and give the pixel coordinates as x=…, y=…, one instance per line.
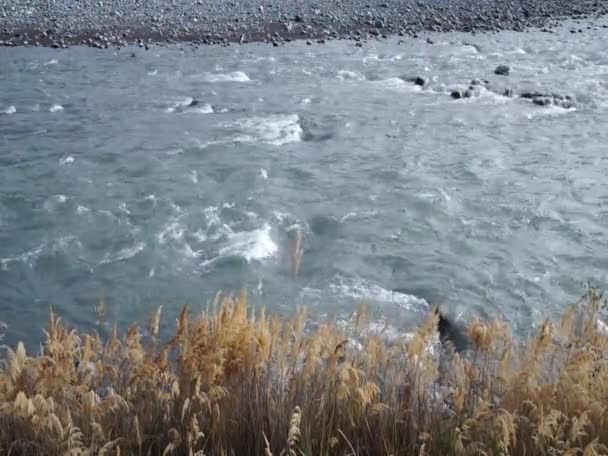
x=182, y=103
x=51, y=62
x=251, y=245
x=9, y=110
x=51, y=203
x=350, y=75
x=123, y=254
x=173, y=231
x=204, y=109
x=190, y=104
x=275, y=129
x=26, y=257
x=549, y=111
x=368, y=291
x=397, y=84
x=56, y=108
x=66, y=160
x=264, y=173
x=235, y=76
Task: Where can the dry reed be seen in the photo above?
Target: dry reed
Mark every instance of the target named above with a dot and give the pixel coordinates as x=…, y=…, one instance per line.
x=230, y=382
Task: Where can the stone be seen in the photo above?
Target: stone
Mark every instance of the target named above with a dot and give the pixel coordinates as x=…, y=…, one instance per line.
x=502, y=70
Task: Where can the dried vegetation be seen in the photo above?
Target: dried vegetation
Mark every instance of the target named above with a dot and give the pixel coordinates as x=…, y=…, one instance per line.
x=232, y=381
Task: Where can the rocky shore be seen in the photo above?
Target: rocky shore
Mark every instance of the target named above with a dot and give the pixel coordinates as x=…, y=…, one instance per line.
x=109, y=23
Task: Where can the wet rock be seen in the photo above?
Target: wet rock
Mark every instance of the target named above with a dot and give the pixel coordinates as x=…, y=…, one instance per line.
x=508, y=93
x=542, y=101
x=417, y=81
x=547, y=99
x=502, y=70
x=456, y=94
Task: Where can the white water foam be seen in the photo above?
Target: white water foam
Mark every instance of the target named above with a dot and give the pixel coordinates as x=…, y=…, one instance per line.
x=549, y=111
x=173, y=231
x=152, y=73
x=235, y=76
x=345, y=75
x=51, y=62
x=9, y=110
x=264, y=173
x=397, y=84
x=26, y=257
x=368, y=291
x=123, y=254
x=123, y=208
x=181, y=103
x=251, y=245
x=56, y=108
x=51, y=203
x=200, y=235
x=82, y=210
x=66, y=160
x=275, y=129
x=204, y=109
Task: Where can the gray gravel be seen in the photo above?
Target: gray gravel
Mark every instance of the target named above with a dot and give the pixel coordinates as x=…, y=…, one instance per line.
x=105, y=23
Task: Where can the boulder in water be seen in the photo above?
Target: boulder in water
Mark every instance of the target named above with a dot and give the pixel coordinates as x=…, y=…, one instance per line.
x=451, y=333
x=547, y=99
x=456, y=94
x=502, y=70
x=417, y=81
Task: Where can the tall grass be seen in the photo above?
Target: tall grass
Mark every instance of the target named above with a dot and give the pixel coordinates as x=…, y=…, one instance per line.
x=232, y=381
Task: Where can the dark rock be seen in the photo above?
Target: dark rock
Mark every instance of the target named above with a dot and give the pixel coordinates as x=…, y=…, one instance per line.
x=452, y=334
x=417, y=81
x=508, y=93
x=541, y=101
x=502, y=70
x=531, y=95
x=456, y=94
x=298, y=18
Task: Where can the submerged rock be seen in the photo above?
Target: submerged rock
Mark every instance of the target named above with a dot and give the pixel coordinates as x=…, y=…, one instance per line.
x=502, y=70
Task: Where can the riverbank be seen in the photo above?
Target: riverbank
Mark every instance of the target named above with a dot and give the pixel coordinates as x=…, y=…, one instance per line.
x=127, y=22
x=231, y=381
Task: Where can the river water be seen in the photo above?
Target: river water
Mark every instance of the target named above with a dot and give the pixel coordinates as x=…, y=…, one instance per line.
x=114, y=183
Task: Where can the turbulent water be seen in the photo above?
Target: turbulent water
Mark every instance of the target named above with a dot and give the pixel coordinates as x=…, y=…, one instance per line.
x=113, y=183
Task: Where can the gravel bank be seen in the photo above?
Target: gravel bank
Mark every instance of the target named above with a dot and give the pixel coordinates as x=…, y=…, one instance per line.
x=106, y=23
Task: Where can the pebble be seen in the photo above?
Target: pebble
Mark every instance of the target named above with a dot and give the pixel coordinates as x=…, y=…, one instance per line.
x=60, y=23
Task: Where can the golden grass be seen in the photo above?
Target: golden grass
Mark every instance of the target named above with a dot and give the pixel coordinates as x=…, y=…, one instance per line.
x=235, y=382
